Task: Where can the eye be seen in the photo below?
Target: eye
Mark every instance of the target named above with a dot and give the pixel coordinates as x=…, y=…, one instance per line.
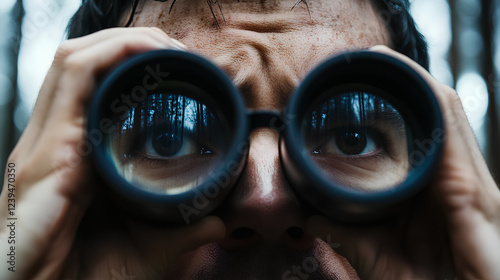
x=348, y=142
x=163, y=143
x=169, y=127
x=169, y=143
x=166, y=145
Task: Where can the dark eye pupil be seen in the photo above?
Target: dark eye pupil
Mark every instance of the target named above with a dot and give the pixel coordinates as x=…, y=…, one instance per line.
x=351, y=142
x=167, y=144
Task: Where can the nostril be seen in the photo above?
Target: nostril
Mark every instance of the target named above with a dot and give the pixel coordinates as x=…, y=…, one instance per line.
x=295, y=232
x=243, y=232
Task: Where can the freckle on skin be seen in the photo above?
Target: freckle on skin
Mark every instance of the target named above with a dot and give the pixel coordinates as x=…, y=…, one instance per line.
x=288, y=55
x=362, y=36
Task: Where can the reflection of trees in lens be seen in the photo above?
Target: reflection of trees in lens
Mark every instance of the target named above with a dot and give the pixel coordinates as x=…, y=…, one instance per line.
x=358, y=140
x=173, y=114
x=168, y=142
x=355, y=110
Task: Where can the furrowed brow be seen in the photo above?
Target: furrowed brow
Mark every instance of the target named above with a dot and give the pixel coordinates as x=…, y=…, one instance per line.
x=302, y=1
x=212, y=3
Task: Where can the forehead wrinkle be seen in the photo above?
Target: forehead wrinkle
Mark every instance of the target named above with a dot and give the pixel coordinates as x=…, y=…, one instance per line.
x=268, y=66
x=258, y=64
x=204, y=8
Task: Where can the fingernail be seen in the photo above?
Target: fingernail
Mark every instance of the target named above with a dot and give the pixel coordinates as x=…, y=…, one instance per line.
x=178, y=45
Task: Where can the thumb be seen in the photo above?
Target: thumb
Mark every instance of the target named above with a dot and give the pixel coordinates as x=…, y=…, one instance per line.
x=354, y=242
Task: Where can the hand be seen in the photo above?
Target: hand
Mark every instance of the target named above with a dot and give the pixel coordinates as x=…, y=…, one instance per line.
x=456, y=230
x=56, y=187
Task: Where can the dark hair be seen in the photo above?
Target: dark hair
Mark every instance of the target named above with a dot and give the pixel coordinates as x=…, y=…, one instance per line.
x=95, y=15
x=404, y=33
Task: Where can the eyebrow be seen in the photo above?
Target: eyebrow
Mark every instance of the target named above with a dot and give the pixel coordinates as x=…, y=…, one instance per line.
x=211, y=3
x=301, y=1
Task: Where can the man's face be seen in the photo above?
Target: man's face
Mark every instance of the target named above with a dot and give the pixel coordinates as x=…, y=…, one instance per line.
x=266, y=49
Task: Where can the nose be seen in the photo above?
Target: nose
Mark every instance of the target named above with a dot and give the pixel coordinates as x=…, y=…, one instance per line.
x=262, y=207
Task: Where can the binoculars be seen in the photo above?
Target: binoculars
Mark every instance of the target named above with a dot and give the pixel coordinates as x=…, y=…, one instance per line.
x=359, y=138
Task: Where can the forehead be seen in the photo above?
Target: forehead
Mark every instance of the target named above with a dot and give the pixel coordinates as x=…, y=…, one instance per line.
x=264, y=45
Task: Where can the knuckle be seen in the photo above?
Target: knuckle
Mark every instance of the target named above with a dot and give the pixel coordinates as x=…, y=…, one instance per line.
x=21, y=172
x=150, y=32
x=64, y=50
x=381, y=48
x=448, y=96
x=110, y=31
x=452, y=98
x=73, y=63
x=24, y=172
x=449, y=92
x=461, y=189
x=451, y=104
x=14, y=155
x=156, y=30
x=18, y=155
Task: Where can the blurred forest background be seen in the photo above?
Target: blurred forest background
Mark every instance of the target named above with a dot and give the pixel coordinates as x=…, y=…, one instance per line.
x=463, y=37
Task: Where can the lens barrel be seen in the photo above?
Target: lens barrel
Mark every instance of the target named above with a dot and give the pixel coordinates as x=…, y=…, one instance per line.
x=374, y=92
x=173, y=133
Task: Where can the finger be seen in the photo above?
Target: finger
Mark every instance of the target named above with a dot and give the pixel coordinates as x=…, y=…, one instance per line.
x=81, y=69
x=47, y=92
x=464, y=186
x=61, y=146
x=370, y=249
x=463, y=179
x=436, y=87
x=164, y=246
x=353, y=246
x=46, y=236
x=63, y=138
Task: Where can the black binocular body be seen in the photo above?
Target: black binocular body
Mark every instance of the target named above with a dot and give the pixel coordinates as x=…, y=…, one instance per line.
x=361, y=136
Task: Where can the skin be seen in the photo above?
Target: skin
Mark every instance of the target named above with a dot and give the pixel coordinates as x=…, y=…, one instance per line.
x=266, y=49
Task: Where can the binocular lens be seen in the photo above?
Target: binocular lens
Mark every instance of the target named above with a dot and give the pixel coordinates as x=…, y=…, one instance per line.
x=361, y=135
x=169, y=122
x=170, y=142
x=357, y=140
